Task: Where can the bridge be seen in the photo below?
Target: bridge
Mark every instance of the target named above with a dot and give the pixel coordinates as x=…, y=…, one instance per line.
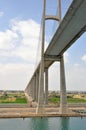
x=70, y=29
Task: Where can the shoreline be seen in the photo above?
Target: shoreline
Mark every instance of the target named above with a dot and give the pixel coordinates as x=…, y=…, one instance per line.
x=31, y=113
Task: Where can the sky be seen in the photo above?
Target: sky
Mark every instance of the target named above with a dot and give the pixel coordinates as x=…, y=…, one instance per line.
x=20, y=23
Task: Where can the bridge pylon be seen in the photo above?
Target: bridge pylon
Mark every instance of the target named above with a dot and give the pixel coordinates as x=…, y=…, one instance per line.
x=42, y=100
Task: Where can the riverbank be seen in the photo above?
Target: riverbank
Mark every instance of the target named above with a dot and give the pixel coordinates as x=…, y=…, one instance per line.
x=31, y=112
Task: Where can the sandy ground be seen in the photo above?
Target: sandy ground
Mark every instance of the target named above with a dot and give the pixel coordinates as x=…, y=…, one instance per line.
x=31, y=112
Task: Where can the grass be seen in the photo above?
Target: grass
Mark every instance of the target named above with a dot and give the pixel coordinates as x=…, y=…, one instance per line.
x=76, y=100
x=13, y=99
x=17, y=100
x=54, y=99
x=21, y=100
x=69, y=100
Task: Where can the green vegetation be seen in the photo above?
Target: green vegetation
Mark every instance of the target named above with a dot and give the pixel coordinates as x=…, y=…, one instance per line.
x=21, y=100
x=76, y=100
x=54, y=99
x=69, y=100
x=12, y=98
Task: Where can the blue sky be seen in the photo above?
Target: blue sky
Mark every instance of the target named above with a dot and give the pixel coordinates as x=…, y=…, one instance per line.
x=19, y=38
x=20, y=9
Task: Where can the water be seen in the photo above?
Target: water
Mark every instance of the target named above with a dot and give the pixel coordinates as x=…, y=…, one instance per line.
x=55, y=123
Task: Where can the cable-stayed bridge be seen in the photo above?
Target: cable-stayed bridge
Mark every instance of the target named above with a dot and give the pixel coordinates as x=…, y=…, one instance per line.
x=70, y=29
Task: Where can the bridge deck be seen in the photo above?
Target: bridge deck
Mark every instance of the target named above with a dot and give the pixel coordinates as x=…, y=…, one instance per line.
x=71, y=28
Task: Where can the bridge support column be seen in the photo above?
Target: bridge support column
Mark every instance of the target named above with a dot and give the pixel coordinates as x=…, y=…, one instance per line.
x=46, y=86
x=40, y=107
x=30, y=89
x=28, y=92
x=33, y=88
x=32, y=85
x=63, y=96
x=37, y=85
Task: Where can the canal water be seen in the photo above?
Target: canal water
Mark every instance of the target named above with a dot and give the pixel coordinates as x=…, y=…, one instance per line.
x=54, y=123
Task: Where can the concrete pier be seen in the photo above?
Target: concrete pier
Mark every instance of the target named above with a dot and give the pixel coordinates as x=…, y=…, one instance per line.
x=40, y=106
x=46, y=86
x=63, y=95
x=37, y=85
x=34, y=88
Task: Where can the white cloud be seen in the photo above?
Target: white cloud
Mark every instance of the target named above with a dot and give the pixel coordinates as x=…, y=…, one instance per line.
x=54, y=77
x=21, y=39
x=76, y=78
x=84, y=58
x=25, y=53
x=7, y=39
x=76, y=65
x=1, y=13
x=29, y=31
x=15, y=76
